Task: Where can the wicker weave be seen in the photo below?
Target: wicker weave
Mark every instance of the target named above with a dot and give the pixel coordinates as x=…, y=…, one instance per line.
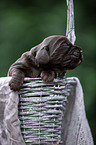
x=41, y=110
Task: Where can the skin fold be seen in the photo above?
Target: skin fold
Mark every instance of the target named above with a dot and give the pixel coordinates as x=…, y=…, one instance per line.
x=56, y=54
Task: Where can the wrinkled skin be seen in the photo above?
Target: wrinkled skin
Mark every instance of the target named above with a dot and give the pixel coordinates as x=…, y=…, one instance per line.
x=55, y=54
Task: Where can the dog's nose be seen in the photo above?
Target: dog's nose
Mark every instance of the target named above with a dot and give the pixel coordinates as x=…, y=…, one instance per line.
x=76, y=53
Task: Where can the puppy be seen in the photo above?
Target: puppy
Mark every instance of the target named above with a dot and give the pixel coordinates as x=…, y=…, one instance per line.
x=56, y=54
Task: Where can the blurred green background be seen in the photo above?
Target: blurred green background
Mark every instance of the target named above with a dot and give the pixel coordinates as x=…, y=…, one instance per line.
x=25, y=23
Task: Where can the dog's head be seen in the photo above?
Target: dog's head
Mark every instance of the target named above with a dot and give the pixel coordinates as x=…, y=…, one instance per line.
x=58, y=54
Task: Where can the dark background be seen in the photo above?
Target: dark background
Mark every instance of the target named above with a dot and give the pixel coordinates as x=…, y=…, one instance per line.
x=25, y=23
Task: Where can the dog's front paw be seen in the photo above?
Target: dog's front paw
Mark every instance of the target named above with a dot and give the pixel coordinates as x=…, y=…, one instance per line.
x=15, y=84
x=48, y=76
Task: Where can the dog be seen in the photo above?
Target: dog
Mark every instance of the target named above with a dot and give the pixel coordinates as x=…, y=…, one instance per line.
x=56, y=54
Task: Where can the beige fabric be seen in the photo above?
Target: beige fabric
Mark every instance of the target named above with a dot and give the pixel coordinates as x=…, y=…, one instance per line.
x=10, y=133
x=77, y=130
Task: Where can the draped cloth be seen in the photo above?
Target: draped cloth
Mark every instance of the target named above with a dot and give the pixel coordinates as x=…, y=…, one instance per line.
x=75, y=127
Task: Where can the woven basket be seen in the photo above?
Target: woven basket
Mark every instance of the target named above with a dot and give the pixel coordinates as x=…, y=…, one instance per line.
x=41, y=110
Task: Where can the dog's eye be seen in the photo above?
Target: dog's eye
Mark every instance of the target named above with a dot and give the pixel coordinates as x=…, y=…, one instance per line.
x=63, y=45
x=47, y=48
x=34, y=53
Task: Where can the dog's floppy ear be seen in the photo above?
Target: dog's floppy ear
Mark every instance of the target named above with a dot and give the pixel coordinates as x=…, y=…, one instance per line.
x=45, y=50
x=42, y=56
x=42, y=51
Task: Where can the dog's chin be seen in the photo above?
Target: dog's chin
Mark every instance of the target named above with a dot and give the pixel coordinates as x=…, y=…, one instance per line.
x=74, y=64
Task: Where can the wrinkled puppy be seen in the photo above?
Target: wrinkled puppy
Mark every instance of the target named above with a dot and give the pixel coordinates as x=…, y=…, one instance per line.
x=55, y=54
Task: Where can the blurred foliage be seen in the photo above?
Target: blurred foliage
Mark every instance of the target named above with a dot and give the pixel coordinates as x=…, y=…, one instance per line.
x=24, y=24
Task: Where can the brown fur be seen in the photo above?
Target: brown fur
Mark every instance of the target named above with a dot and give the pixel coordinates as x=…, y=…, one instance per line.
x=54, y=54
